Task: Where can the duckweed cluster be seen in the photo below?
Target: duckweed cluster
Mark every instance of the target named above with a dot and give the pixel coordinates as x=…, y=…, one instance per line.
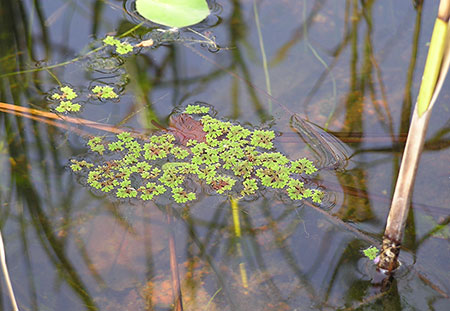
x=231, y=159
x=105, y=92
x=371, y=252
x=65, y=96
x=120, y=47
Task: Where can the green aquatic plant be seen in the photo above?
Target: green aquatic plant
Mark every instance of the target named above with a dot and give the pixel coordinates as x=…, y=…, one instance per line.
x=122, y=47
x=96, y=145
x=105, y=92
x=263, y=139
x=78, y=165
x=65, y=96
x=67, y=93
x=196, y=109
x=67, y=106
x=371, y=252
x=232, y=160
x=182, y=196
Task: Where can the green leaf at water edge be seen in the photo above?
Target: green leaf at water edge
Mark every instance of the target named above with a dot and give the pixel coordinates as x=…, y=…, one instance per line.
x=173, y=13
x=371, y=252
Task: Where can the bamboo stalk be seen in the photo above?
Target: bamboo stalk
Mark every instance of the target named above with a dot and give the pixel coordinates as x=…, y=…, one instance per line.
x=403, y=190
x=430, y=88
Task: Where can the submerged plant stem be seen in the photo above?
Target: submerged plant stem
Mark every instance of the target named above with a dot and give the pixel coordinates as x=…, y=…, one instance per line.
x=324, y=64
x=73, y=60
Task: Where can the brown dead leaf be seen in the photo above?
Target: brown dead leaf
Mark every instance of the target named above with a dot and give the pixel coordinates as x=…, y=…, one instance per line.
x=145, y=43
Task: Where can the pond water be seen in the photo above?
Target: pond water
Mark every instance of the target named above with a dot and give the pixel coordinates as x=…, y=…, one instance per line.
x=350, y=67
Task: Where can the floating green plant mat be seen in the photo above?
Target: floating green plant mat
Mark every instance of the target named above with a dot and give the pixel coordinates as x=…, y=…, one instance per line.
x=227, y=158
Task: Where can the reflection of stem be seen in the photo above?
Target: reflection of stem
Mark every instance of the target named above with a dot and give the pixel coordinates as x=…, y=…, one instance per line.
x=209, y=41
x=286, y=252
x=73, y=60
x=212, y=298
x=263, y=55
x=208, y=257
x=245, y=78
x=434, y=286
x=366, y=301
x=324, y=64
x=53, y=246
x=176, y=287
x=237, y=231
x=407, y=101
x=372, y=65
x=54, y=77
x=298, y=33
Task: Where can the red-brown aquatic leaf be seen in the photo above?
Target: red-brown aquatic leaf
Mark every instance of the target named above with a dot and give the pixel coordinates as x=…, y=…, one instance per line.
x=184, y=128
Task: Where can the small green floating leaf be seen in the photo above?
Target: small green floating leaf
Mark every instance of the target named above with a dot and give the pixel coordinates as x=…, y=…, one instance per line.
x=96, y=145
x=196, y=109
x=110, y=40
x=173, y=13
x=124, y=48
x=65, y=104
x=263, y=139
x=121, y=47
x=78, y=165
x=104, y=92
x=68, y=106
x=296, y=189
x=68, y=92
x=317, y=196
x=182, y=196
x=116, y=146
x=126, y=192
x=371, y=252
x=250, y=187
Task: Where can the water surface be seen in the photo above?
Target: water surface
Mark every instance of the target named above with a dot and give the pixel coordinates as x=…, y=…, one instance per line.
x=352, y=68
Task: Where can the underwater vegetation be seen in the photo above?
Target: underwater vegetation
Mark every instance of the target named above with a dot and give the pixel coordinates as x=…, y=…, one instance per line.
x=228, y=158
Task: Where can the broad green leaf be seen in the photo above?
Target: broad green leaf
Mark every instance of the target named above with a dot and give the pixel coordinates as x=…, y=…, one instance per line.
x=173, y=13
